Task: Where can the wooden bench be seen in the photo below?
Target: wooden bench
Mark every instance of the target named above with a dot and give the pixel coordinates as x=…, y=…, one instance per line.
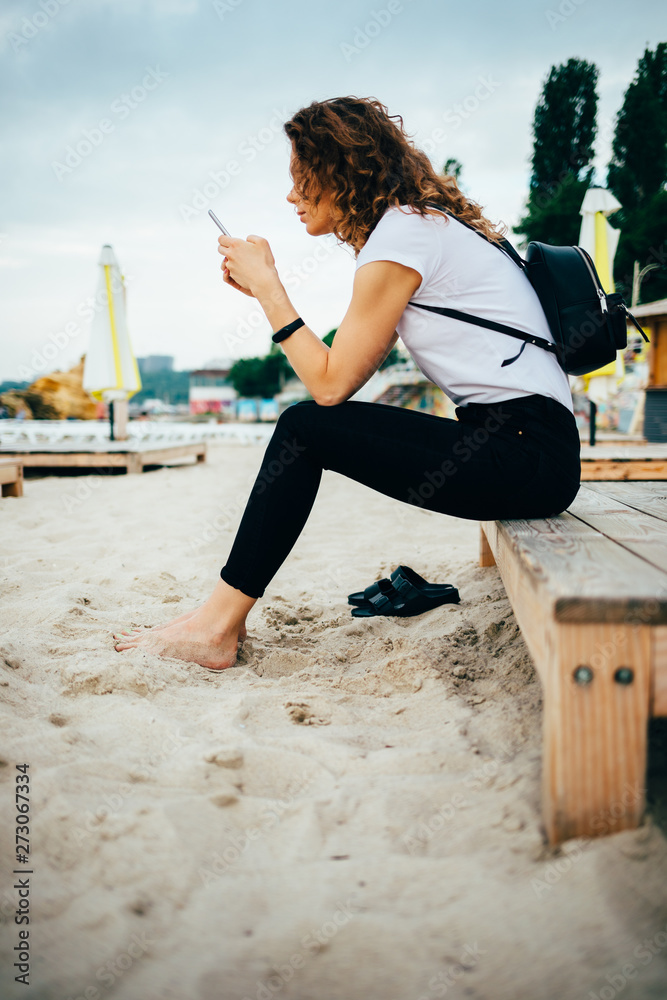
x=589, y=591
x=11, y=477
x=131, y=456
x=623, y=462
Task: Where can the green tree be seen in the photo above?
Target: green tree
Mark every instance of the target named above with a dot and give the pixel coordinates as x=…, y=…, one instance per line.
x=260, y=376
x=638, y=167
x=453, y=168
x=564, y=129
x=638, y=174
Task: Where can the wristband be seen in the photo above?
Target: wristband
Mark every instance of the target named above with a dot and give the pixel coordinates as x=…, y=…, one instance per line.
x=287, y=331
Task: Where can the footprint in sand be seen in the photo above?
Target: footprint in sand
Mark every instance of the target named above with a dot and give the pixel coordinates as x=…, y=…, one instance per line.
x=10, y=659
x=301, y=713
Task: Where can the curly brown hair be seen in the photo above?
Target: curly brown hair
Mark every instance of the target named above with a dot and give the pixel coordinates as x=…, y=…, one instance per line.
x=355, y=151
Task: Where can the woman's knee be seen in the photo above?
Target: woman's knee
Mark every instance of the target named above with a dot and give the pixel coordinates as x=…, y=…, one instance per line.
x=295, y=413
x=291, y=433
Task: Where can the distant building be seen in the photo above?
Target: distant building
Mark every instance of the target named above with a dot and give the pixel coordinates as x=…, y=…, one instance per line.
x=156, y=363
x=653, y=318
x=212, y=392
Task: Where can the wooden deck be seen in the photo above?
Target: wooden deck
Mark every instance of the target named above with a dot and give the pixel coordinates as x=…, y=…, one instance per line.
x=623, y=462
x=589, y=591
x=11, y=477
x=133, y=457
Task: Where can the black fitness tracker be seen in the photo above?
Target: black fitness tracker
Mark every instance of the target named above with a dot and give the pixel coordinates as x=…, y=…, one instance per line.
x=287, y=331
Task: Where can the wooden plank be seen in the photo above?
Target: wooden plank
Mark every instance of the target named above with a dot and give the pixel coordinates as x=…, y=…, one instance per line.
x=627, y=471
x=616, y=452
x=128, y=457
x=88, y=459
x=658, y=354
x=581, y=575
x=9, y=473
x=651, y=498
x=17, y=451
x=640, y=533
x=595, y=735
x=485, y=553
x=659, y=672
x=597, y=498
x=531, y=606
x=11, y=478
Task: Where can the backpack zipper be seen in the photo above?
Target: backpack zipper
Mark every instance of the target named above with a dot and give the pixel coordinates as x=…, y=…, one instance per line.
x=600, y=291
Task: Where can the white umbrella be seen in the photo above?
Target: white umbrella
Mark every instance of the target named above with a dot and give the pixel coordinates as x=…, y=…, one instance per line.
x=597, y=236
x=110, y=373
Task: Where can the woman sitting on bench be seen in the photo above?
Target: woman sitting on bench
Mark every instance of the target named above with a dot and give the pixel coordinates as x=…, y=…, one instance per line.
x=513, y=452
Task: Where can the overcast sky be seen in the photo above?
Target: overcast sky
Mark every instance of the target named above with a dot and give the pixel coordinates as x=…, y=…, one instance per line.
x=123, y=121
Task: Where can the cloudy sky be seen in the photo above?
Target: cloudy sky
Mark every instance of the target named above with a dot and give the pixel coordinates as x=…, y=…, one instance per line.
x=123, y=121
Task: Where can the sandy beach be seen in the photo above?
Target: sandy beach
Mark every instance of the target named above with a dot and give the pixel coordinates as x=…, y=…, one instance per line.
x=350, y=813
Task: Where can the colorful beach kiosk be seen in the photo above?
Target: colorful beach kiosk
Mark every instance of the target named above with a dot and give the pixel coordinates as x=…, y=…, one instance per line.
x=653, y=317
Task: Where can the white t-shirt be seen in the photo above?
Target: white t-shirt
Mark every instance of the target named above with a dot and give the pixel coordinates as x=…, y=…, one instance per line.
x=460, y=270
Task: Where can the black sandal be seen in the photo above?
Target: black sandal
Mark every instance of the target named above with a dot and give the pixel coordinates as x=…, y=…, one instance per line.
x=405, y=595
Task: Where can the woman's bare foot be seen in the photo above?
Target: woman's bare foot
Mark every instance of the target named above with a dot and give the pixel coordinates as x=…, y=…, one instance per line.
x=130, y=633
x=209, y=635
x=192, y=640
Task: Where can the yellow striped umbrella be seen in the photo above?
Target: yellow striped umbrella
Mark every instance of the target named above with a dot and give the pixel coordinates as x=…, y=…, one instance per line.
x=110, y=372
x=600, y=240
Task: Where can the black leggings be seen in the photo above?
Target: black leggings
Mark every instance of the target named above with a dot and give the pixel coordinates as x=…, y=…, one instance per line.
x=515, y=459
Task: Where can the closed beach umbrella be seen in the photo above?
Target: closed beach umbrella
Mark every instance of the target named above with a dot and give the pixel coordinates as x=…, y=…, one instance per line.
x=600, y=240
x=110, y=373
x=597, y=236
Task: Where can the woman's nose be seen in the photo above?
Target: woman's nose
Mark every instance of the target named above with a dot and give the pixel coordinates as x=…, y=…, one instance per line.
x=291, y=197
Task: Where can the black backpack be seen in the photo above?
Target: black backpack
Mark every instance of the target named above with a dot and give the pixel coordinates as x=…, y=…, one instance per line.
x=588, y=326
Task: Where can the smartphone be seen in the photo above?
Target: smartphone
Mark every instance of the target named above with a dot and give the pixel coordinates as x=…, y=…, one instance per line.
x=218, y=223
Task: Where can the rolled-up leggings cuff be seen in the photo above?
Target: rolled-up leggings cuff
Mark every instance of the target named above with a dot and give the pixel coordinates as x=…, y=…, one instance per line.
x=249, y=591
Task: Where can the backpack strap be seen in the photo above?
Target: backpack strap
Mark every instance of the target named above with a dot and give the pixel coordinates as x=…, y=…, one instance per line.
x=489, y=324
x=506, y=247
x=501, y=244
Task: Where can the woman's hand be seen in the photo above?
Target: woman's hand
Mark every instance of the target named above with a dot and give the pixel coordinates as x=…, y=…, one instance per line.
x=248, y=265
